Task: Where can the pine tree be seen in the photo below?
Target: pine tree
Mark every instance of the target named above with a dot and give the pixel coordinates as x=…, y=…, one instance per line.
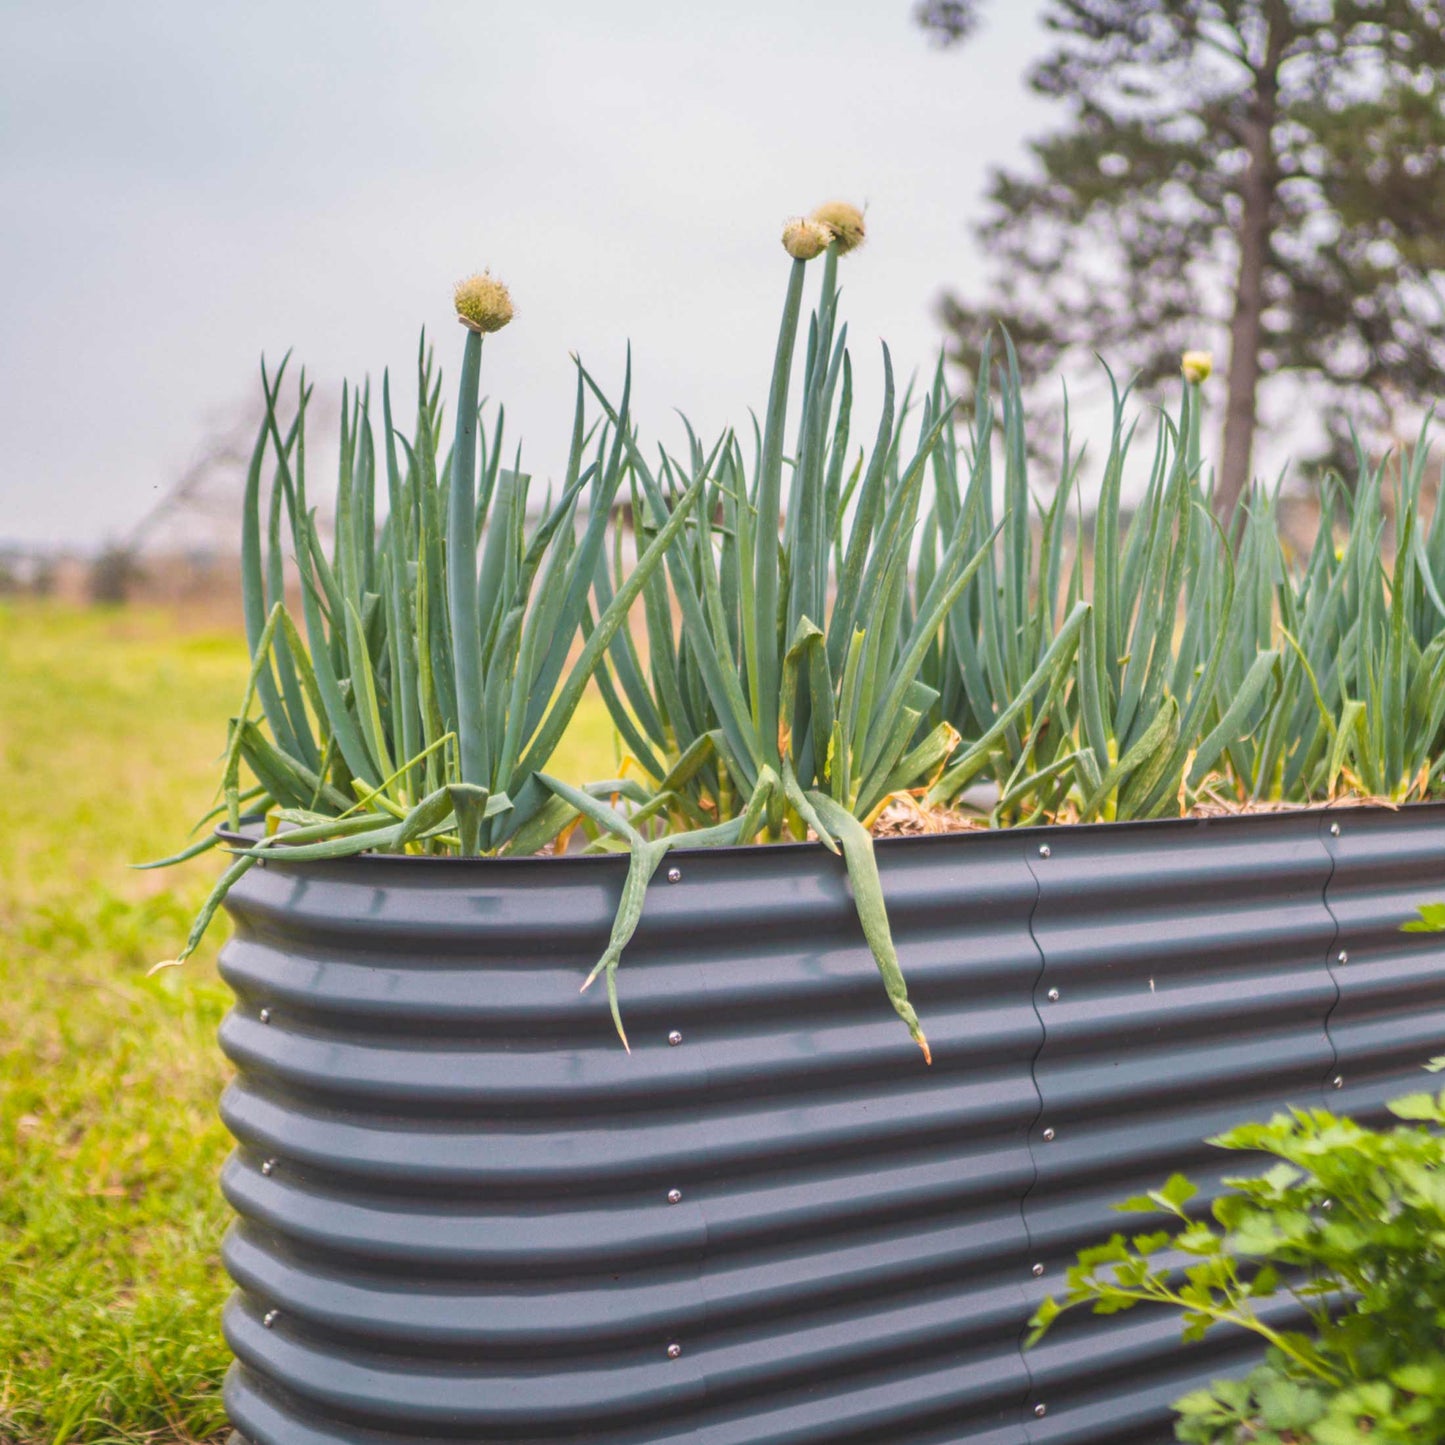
x=1273, y=170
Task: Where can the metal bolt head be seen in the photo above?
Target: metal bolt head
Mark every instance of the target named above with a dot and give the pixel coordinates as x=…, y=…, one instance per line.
x=1053, y=995
x=1334, y=830
x=1048, y=1136
x=265, y=1016
x=268, y=1166
x=1041, y=1409
x=674, y=875
x=674, y=1196
x=1338, y=1082
x=674, y=1038
x=1038, y=1271
x=674, y=1350
x=270, y=1318
x=1344, y=957
x=1044, y=850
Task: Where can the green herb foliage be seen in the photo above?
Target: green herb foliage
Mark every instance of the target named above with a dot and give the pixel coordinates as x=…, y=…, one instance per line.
x=1350, y=1222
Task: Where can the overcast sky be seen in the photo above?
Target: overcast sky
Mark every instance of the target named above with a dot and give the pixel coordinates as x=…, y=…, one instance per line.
x=187, y=186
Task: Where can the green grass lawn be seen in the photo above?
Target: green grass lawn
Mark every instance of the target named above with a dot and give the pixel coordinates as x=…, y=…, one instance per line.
x=110, y=1218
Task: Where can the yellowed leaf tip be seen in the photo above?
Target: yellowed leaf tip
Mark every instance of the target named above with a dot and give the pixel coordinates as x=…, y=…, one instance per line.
x=164, y=963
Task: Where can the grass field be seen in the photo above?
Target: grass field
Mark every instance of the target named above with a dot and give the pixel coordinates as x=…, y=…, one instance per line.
x=110, y=1219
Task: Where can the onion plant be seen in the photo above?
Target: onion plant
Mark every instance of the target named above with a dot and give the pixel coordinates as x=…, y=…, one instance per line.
x=806, y=624
x=1359, y=701
x=1086, y=693
x=781, y=696
x=433, y=674
x=1003, y=665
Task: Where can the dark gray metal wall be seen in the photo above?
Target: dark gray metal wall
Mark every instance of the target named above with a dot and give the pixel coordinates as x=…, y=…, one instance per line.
x=453, y=1186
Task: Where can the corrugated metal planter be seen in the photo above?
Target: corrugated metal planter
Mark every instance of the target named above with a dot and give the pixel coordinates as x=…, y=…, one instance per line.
x=465, y=1214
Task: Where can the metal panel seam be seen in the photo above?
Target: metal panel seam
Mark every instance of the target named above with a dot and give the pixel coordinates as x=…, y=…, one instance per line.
x=1329, y=830
x=1028, y=1400
x=698, y=1431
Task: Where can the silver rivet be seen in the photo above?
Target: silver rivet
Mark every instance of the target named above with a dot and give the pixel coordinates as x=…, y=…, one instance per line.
x=1044, y=850
x=674, y=875
x=1338, y=1082
x=1053, y=995
x=268, y=1166
x=1335, y=830
x=270, y=1318
x=1344, y=957
x=265, y=1016
x=674, y=1196
x=1038, y=1270
x=674, y=1038
x=674, y=1350
x=1041, y=1409
x=1048, y=1136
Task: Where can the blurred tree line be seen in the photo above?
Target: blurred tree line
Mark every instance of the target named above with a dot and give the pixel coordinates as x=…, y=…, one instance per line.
x=1267, y=171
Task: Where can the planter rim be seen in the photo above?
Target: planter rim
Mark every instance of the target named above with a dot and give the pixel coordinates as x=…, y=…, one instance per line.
x=1042, y=830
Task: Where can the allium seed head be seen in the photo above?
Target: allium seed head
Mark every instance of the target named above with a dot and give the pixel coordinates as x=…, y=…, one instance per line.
x=1196, y=366
x=483, y=303
x=804, y=238
x=845, y=222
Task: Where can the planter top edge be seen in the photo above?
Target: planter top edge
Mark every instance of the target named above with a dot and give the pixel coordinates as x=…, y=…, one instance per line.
x=968, y=837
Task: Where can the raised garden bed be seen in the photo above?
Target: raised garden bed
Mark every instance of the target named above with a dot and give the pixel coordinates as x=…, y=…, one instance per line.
x=464, y=1213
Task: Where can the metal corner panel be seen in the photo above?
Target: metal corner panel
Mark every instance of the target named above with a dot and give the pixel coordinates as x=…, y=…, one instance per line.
x=1390, y=1019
